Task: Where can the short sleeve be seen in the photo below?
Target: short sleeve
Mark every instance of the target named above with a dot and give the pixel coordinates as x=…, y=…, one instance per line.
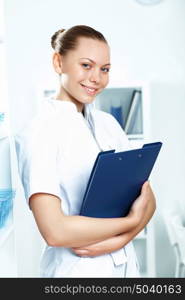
x=37, y=160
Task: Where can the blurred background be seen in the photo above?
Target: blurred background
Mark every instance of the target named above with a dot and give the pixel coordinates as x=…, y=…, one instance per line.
x=147, y=40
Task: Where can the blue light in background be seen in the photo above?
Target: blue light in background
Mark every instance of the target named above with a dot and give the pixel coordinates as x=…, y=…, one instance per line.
x=6, y=204
x=2, y=116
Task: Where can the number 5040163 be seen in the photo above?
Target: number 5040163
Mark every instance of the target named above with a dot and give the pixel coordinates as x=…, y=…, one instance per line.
x=158, y=289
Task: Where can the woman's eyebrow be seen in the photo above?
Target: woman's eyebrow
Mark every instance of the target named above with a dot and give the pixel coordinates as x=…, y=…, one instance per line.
x=94, y=61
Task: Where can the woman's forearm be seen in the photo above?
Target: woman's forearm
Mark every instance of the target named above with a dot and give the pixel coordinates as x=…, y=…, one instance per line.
x=114, y=243
x=60, y=230
x=76, y=231
x=80, y=231
x=119, y=241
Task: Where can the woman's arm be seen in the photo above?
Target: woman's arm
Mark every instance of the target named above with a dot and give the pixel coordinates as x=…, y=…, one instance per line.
x=117, y=242
x=75, y=231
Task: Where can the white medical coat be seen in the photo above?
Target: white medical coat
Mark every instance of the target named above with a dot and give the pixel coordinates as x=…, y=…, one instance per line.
x=56, y=154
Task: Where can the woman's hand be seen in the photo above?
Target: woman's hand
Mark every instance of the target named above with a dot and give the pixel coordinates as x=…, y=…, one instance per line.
x=139, y=206
x=106, y=246
x=144, y=208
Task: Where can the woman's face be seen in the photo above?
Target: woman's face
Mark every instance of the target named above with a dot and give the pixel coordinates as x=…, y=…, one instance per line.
x=85, y=71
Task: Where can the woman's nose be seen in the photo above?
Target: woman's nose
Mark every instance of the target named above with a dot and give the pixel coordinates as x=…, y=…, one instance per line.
x=95, y=76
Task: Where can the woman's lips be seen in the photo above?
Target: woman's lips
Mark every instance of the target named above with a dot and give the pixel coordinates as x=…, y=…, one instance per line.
x=89, y=90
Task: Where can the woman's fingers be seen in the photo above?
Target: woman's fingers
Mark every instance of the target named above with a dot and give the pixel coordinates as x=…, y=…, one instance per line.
x=82, y=252
x=145, y=192
x=79, y=250
x=92, y=251
x=140, y=205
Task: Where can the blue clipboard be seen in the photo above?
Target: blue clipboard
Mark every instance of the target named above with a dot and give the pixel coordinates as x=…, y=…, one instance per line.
x=116, y=181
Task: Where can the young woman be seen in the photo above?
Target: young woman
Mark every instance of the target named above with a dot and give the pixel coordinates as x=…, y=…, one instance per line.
x=56, y=155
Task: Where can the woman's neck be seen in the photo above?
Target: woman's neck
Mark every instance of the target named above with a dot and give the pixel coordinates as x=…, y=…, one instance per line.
x=62, y=95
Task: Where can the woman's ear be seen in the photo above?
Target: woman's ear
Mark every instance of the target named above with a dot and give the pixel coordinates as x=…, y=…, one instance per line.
x=57, y=63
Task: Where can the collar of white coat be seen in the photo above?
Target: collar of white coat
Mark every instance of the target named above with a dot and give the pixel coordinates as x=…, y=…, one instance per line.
x=88, y=107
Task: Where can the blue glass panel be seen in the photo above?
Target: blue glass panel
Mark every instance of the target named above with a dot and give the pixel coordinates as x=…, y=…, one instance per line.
x=2, y=116
x=6, y=204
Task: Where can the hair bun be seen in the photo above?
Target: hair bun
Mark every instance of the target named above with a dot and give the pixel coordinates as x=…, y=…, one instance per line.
x=54, y=38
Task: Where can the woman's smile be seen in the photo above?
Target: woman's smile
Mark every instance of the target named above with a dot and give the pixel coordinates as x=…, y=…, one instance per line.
x=89, y=90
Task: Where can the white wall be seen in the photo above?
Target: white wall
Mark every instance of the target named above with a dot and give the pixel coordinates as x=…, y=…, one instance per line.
x=167, y=110
x=148, y=43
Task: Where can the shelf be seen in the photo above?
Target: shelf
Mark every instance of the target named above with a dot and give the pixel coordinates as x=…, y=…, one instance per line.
x=135, y=136
x=126, y=105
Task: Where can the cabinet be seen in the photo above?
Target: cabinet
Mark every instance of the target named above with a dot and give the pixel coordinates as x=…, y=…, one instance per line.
x=130, y=104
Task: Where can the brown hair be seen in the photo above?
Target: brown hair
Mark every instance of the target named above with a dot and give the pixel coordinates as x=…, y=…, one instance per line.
x=64, y=40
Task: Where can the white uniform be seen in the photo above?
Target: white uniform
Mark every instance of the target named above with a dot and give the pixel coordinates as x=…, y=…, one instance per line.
x=56, y=155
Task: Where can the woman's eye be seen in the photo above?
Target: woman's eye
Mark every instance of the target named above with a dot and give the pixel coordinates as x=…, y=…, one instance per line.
x=86, y=66
x=105, y=70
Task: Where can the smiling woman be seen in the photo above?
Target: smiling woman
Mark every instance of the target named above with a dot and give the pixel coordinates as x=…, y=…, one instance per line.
x=56, y=155
x=82, y=76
